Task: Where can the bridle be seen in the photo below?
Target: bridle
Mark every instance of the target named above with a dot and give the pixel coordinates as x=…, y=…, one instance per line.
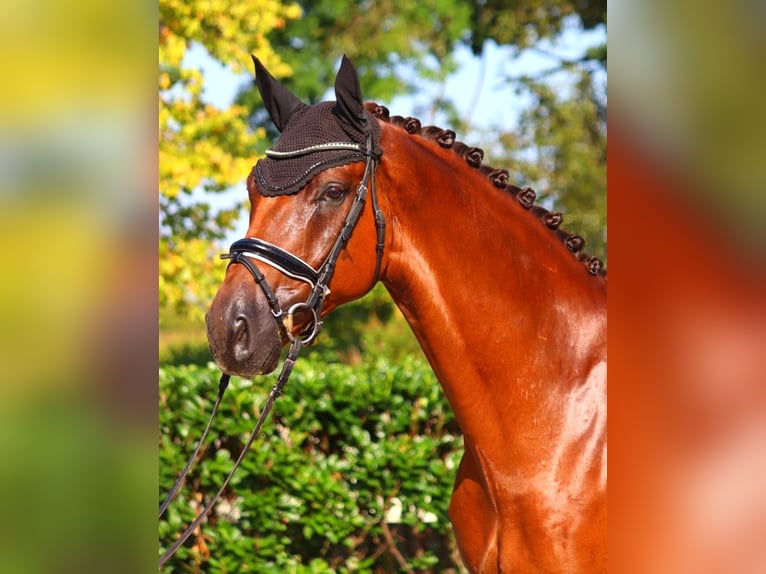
x=243, y=252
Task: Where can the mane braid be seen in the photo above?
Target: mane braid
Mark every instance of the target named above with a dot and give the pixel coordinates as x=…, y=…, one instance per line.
x=473, y=156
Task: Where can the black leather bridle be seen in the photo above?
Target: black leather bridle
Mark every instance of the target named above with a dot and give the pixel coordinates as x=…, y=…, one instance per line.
x=245, y=252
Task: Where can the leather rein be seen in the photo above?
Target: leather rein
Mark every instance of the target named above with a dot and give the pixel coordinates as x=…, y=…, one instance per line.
x=243, y=252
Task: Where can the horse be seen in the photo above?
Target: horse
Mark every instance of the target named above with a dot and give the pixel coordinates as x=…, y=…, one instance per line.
x=509, y=311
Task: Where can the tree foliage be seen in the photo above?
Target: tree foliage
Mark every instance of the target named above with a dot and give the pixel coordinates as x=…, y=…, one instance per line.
x=522, y=23
x=398, y=45
x=202, y=146
x=382, y=38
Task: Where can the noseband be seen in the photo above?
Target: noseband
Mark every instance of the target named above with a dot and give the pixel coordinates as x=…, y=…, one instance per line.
x=243, y=251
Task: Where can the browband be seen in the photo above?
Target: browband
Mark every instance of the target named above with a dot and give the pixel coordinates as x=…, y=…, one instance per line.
x=331, y=146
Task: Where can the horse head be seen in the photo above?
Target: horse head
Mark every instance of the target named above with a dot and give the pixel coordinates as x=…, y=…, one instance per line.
x=308, y=225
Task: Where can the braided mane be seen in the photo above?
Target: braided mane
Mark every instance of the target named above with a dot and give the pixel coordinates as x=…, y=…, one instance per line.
x=473, y=156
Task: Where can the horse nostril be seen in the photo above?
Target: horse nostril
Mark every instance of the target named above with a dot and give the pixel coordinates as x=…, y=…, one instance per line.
x=240, y=328
x=242, y=347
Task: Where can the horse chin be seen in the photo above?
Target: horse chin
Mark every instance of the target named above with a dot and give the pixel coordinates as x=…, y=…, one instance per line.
x=260, y=363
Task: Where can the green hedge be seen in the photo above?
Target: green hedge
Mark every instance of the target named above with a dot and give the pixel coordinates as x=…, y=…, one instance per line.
x=353, y=473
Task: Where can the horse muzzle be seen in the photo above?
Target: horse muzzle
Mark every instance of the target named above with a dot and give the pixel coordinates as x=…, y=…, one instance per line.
x=243, y=336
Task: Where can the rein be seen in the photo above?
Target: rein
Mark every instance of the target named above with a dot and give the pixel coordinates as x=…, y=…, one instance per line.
x=243, y=251
x=276, y=390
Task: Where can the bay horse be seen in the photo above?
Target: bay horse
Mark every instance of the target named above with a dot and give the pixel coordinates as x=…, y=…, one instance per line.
x=509, y=311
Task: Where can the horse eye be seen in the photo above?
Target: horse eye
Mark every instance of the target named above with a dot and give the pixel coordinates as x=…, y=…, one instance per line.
x=334, y=193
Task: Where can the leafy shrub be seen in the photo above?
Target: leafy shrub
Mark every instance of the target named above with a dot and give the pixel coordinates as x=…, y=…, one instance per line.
x=186, y=353
x=353, y=472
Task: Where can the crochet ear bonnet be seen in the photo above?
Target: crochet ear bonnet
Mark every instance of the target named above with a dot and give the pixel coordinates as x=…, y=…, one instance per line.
x=308, y=132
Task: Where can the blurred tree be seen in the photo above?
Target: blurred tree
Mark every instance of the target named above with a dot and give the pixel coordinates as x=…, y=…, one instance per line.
x=523, y=23
x=200, y=145
x=559, y=146
x=398, y=45
x=383, y=39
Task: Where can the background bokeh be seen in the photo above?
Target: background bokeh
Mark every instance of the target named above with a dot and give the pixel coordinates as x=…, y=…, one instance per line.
x=687, y=313
x=78, y=314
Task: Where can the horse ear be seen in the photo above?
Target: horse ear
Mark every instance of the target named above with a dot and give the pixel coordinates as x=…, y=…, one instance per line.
x=280, y=101
x=348, y=94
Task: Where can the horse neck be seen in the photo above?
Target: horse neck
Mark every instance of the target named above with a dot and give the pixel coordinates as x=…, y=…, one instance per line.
x=506, y=316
